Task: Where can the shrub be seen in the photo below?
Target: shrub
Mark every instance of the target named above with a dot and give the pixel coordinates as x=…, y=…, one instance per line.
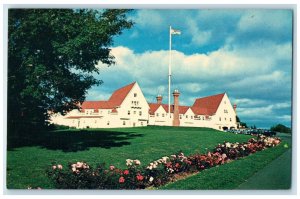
x=80, y=175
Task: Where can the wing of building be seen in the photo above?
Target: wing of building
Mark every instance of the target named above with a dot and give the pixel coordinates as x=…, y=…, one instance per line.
x=127, y=107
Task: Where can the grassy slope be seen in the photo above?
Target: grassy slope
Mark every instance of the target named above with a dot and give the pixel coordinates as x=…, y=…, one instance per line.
x=28, y=159
x=231, y=175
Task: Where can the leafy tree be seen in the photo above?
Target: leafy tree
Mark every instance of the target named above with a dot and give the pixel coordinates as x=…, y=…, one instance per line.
x=52, y=55
x=281, y=128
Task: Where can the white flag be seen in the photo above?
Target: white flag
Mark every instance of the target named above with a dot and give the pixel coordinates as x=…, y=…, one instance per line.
x=175, y=32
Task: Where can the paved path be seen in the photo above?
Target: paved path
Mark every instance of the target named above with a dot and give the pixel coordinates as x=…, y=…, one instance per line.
x=276, y=175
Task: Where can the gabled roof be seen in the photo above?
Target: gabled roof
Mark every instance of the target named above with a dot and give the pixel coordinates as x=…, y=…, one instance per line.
x=155, y=106
x=207, y=105
x=115, y=100
x=119, y=95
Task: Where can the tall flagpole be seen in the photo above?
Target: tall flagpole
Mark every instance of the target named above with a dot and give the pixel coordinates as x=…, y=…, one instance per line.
x=170, y=44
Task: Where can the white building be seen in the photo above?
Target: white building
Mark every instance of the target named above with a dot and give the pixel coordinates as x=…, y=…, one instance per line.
x=127, y=107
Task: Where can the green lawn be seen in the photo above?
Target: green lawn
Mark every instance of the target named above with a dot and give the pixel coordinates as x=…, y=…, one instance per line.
x=28, y=158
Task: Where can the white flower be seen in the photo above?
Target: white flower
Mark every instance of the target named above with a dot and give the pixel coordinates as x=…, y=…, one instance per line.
x=151, y=179
x=165, y=158
x=227, y=144
x=137, y=162
x=224, y=156
x=129, y=162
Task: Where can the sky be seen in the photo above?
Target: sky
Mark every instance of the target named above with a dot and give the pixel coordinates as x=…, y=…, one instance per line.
x=243, y=52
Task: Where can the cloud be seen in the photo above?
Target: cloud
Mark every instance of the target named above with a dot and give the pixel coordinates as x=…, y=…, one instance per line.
x=246, y=53
x=199, y=37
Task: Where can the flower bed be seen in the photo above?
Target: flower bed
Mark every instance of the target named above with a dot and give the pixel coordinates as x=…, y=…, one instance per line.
x=80, y=175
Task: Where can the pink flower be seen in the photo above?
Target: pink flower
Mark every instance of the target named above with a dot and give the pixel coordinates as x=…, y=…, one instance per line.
x=126, y=172
x=139, y=177
x=54, y=167
x=111, y=167
x=209, y=154
x=121, y=179
x=59, y=166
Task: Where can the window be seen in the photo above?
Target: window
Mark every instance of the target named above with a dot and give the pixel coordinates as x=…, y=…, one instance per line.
x=157, y=114
x=107, y=123
x=124, y=123
x=225, y=118
x=203, y=118
x=219, y=127
x=135, y=94
x=128, y=112
x=220, y=118
x=180, y=116
x=140, y=113
x=230, y=119
x=134, y=112
x=163, y=115
x=142, y=124
x=186, y=116
x=191, y=117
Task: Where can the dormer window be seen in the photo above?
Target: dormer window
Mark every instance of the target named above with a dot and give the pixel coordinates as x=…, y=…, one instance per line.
x=135, y=94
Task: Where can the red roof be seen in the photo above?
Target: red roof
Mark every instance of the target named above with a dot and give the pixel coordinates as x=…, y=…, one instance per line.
x=115, y=100
x=96, y=105
x=207, y=105
x=119, y=95
x=155, y=106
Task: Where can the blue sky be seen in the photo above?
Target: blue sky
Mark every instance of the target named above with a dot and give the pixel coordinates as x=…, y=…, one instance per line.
x=245, y=53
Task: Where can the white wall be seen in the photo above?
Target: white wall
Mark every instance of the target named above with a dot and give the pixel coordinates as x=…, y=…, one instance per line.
x=136, y=104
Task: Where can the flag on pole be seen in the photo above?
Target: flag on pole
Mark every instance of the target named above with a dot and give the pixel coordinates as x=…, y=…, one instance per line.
x=175, y=32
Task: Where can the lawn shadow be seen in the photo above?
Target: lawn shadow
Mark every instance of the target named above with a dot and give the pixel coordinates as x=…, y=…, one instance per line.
x=73, y=140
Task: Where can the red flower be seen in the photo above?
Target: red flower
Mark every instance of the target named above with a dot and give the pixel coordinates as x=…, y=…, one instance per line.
x=169, y=164
x=177, y=165
x=121, y=179
x=111, y=167
x=139, y=177
x=126, y=172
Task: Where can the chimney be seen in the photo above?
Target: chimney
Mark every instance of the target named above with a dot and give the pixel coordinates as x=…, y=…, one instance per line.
x=159, y=99
x=234, y=107
x=176, y=121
